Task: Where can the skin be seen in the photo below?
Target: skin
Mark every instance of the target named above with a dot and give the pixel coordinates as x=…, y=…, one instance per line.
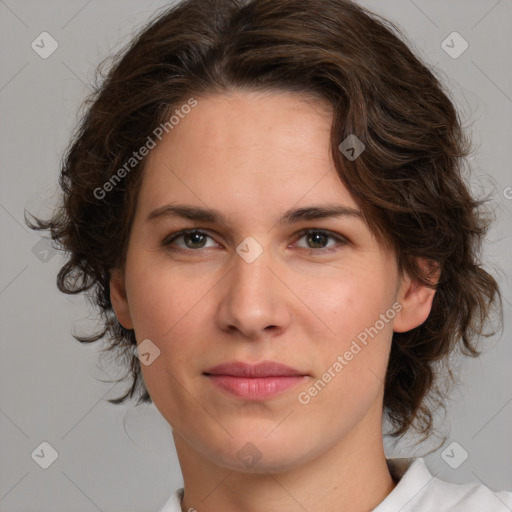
x=253, y=156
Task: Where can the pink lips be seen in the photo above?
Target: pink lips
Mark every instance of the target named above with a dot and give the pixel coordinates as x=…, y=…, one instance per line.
x=254, y=381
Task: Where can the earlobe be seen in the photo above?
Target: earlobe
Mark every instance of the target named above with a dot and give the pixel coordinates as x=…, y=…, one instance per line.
x=416, y=300
x=119, y=298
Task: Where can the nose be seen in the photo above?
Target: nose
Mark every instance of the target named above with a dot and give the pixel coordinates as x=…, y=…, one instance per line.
x=253, y=299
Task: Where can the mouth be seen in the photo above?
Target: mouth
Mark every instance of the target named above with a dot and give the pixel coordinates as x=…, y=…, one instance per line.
x=255, y=381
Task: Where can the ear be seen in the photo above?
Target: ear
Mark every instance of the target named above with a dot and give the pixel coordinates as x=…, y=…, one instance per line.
x=415, y=298
x=119, y=299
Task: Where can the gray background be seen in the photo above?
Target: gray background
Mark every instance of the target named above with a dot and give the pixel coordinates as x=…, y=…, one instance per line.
x=114, y=458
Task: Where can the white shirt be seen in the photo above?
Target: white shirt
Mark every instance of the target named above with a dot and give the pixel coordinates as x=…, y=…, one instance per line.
x=418, y=491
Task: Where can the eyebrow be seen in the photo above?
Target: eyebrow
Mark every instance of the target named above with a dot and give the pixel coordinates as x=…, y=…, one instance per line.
x=291, y=216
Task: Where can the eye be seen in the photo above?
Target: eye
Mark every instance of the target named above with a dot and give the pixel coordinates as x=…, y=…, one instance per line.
x=318, y=240
x=189, y=239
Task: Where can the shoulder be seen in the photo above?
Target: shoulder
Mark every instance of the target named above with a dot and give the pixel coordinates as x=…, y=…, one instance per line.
x=419, y=491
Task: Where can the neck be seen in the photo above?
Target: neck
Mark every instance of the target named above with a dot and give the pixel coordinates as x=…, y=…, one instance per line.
x=352, y=475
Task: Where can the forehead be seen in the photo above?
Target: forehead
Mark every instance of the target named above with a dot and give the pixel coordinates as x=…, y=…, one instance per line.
x=252, y=150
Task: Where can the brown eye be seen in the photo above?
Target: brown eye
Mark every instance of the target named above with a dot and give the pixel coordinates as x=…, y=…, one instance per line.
x=189, y=240
x=195, y=240
x=317, y=240
x=320, y=240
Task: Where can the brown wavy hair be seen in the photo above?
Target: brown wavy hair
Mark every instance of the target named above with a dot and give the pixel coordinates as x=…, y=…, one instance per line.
x=408, y=182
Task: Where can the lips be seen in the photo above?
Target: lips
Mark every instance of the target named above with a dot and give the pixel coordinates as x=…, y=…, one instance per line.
x=254, y=381
x=263, y=369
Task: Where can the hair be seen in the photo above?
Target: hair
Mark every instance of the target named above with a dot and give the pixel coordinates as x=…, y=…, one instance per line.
x=408, y=181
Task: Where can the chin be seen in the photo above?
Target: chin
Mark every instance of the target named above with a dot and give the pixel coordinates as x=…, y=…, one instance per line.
x=260, y=456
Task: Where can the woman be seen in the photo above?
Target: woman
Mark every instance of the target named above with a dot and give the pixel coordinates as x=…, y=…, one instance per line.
x=265, y=200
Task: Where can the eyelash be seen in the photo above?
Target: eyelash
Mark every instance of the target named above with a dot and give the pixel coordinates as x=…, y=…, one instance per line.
x=310, y=251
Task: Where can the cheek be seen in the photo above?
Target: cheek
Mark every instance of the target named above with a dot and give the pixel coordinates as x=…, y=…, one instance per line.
x=350, y=299
x=358, y=309
x=164, y=310
x=352, y=365
x=168, y=306
x=160, y=297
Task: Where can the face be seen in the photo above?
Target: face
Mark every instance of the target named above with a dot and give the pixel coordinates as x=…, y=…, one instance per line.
x=276, y=265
